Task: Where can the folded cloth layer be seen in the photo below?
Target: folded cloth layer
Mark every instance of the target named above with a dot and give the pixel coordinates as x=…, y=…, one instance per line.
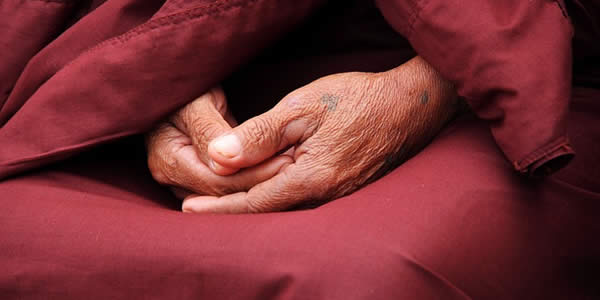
x=511, y=60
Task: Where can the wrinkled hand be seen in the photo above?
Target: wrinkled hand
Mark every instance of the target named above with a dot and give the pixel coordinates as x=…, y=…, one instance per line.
x=345, y=130
x=177, y=151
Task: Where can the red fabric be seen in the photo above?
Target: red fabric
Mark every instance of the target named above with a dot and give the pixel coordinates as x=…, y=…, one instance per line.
x=31, y=25
x=481, y=46
x=511, y=60
x=92, y=93
x=23, y=23
x=586, y=62
x=455, y=222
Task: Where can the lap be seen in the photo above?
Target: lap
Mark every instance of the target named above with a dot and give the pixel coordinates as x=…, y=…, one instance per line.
x=453, y=221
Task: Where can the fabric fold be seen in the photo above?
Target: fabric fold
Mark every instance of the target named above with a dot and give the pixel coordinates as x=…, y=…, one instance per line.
x=125, y=84
x=511, y=60
x=25, y=28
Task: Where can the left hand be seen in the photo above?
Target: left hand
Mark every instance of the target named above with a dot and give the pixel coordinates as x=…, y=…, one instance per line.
x=346, y=130
x=177, y=151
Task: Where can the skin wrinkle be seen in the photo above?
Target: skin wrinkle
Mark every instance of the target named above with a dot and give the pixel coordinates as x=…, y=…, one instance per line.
x=386, y=163
x=204, y=119
x=382, y=163
x=305, y=123
x=356, y=143
x=175, y=160
x=156, y=166
x=339, y=146
x=171, y=167
x=263, y=132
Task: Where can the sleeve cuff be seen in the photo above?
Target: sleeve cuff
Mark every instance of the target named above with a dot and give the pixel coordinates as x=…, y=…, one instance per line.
x=547, y=159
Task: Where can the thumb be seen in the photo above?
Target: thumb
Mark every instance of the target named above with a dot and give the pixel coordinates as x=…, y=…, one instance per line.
x=263, y=136
x=203, y=120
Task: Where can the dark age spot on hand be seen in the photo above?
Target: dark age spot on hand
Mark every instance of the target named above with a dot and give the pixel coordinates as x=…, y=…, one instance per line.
x=425, y=97
x=330, y=101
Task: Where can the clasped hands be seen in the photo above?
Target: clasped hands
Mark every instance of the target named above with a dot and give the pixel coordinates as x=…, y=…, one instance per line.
x=320, y=142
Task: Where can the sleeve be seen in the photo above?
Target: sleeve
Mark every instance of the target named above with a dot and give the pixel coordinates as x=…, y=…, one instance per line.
x=511, y=60
x=125, y=84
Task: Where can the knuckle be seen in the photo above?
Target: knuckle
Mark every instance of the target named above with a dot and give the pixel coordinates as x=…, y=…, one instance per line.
x=194, y=113
x=262, y=131
x=156, y=171
x=306, y=101
x=159, y=153
x=166, y=166
x=204, y=129
x=255, y=207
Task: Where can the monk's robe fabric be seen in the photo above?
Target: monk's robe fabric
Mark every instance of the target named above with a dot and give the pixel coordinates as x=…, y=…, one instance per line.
x=475, y=215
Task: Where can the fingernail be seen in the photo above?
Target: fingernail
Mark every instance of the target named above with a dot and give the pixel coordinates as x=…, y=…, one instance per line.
x=197, y=205
x=186, y=208
x=191, y=205
x=228, y=146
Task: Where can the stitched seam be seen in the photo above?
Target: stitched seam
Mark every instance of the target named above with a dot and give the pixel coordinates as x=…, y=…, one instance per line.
x=543, y=152
x=561, y=142
x=177, y=18
x=168, y=20
x=56, y=1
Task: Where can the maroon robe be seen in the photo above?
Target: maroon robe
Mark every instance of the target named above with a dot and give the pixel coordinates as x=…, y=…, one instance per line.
x=456, y=221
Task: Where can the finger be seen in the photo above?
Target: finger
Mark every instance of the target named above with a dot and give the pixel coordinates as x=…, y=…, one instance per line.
x=161, y=144
x=229, y=204
x=173, y=161
x=247, y=178
x=287, y=189
x=190, y=174
x=263, y=136
x=203, y=120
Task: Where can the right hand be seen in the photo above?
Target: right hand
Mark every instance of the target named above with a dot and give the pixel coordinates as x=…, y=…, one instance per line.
x=177, y=152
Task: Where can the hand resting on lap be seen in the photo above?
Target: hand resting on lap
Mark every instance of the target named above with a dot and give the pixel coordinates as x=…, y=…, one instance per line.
x=177, y=151
x=344, y=131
